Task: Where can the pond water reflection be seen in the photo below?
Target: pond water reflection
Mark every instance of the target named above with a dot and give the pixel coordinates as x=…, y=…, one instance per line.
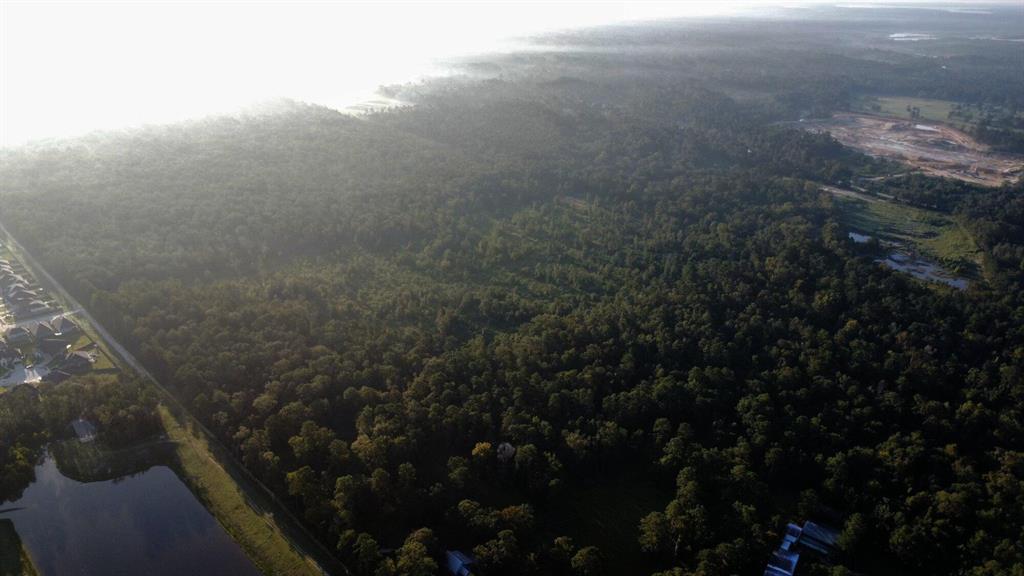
x=147, y=523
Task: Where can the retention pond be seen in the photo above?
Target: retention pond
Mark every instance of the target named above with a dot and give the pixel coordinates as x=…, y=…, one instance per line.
x=144, y=523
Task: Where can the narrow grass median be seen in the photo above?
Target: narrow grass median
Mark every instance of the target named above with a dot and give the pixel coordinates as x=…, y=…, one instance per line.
x=255, y=532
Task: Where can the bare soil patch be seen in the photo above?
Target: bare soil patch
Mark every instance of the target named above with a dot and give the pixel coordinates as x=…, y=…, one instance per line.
x=933, y=148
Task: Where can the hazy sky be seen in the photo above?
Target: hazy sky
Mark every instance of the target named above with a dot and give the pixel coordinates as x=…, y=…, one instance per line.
x=69, y=68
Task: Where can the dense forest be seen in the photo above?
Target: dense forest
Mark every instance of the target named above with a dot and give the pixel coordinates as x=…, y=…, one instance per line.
x=575, y=312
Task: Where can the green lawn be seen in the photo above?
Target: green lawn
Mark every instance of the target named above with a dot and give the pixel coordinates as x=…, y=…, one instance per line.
x=256, y=532
x=103, y=362
x=14, y=559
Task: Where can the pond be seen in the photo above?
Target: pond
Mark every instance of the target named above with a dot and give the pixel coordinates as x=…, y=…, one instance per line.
x=923, y=270
x=147, y=523
x=899, y=259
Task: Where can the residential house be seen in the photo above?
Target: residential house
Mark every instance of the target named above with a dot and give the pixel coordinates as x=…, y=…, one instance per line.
x=20, y=294
x=56, y=376
x=17, y=335
x=41, y=331
x=30, y=309
x=53, y=346
x=76, y=361
x=64, y=326
x=458, y=563
x=84, y=429
x=9, y=278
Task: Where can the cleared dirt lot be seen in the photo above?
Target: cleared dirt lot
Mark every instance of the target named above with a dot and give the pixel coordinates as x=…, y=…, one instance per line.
x=933, y=148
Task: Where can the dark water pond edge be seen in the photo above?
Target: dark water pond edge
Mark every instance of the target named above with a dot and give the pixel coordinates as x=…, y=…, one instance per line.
x=131, y=482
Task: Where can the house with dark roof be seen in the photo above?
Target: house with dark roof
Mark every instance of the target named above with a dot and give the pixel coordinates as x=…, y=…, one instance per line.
x=56, y=376
x=64, y=326
x=84, y=429
x=20, y=294
x=41, y=330
x=9, y=278
x=17, y=335
x=20, y=284
x=76, y=361
x=31, y=309
x=53, y=346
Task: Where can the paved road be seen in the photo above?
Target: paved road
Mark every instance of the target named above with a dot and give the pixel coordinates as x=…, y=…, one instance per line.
x=259, y=496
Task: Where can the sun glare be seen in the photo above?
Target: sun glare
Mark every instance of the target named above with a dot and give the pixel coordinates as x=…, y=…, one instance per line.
x=69, y=68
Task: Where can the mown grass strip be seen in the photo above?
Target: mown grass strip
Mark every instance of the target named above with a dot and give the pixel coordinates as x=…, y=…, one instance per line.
x=256, y=532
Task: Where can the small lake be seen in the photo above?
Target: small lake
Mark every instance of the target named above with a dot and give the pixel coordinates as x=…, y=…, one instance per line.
x=917, y=267
x=923, y=270
x=147, y=523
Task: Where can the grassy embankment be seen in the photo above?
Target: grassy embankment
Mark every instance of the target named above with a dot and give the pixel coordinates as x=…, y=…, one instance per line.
x=256, y=532
x=191, y=458
x=14, y=559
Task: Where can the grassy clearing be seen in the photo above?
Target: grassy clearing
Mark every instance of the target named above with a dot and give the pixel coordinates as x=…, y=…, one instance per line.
x=14, y=559
x=896, y=106
x=934, y=111
x=931, y=233
x=255, y=531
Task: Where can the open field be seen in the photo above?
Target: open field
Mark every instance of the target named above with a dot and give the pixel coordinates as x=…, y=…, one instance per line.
x=933, y=148
x=14, y=560
x=256, y=532
x=934, y=235
x=896, y=107
x=958, y=115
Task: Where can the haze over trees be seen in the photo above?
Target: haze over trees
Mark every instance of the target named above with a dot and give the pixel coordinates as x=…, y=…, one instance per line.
x=618, y=261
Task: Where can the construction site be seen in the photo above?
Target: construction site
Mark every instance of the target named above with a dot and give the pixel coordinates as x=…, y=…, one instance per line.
x=933, y=148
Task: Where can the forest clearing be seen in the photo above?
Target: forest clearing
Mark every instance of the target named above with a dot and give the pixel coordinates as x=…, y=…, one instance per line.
x=935, y=149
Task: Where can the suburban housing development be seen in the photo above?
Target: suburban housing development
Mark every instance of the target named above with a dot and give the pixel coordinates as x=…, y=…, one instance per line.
x=39, y=340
